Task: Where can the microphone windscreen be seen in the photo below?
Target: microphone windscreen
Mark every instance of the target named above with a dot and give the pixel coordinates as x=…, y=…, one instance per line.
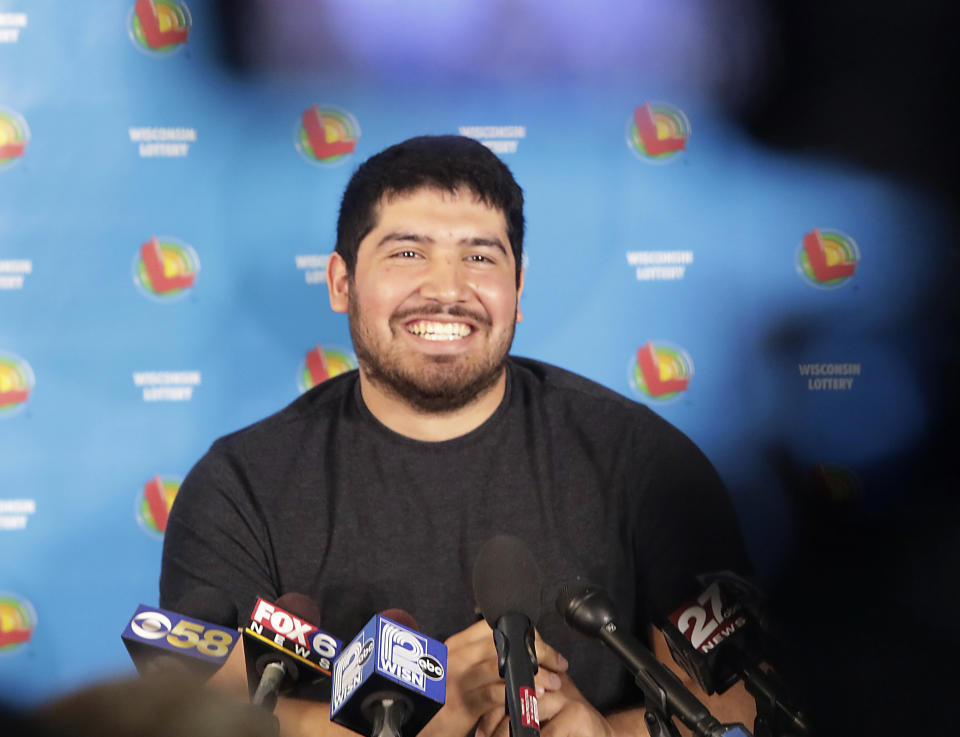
x=301, y=605
x=401, y=616
x=209, y=604
x=506, y=578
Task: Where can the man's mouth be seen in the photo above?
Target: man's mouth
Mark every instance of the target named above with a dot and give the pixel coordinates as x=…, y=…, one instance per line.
x=432, y=330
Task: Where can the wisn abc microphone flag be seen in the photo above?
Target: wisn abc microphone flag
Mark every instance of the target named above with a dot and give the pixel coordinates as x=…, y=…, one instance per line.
x=387, y=657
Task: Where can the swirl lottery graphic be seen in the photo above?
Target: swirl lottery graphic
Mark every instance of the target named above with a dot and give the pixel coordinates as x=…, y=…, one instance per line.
x=14, y=137
x=165, y=268
x=18, y=620
x=657, y=132
x=159, y=27
x=322, y=363
x=16, y=384
x=836, y=485
x=660, y=371
x=154, y=502
x=827, y=258
x=326, y=136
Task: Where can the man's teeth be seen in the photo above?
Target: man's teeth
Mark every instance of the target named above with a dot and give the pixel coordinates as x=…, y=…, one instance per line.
x=439, y=330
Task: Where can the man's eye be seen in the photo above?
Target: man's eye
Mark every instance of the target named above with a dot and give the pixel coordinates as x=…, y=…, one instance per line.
x=405, y=254
x=479, y=258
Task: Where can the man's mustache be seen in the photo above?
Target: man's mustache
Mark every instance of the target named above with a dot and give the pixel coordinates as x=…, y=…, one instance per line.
x=435, y=310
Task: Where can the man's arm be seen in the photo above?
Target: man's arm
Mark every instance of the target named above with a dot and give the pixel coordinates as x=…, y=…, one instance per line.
x=216, y=537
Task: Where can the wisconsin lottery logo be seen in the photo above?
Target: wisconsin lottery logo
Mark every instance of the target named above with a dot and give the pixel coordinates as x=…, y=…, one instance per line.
x=660, y=371
x=16, y=384
x=165, y=268
x=159, y=27
x=827, y=259
x=14, y=137
x=154, y=502
x=322, y=363
x=18, y=620
x=326, y=136
x=657, y=132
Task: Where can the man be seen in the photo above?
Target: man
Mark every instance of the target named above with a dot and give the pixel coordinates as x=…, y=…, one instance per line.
x=377, y=488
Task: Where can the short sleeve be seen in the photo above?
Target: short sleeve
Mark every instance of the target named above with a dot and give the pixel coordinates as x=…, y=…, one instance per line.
x=687, y=525
x=216, y=536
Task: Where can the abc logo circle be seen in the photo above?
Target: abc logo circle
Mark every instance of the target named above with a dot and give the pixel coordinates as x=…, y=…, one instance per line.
x=431, y=667
x=365, y=652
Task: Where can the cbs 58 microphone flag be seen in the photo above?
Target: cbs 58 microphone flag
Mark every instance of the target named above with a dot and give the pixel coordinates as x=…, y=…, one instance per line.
x=387, y=656
x=155, y=638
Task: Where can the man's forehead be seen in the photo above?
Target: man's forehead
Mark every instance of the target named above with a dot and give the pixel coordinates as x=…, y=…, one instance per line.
x=461, y=192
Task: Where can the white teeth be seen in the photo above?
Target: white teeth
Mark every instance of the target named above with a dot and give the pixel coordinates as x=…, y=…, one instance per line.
x=430, y=330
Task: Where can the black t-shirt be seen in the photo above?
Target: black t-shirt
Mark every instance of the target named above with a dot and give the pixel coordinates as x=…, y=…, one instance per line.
x=323, y=499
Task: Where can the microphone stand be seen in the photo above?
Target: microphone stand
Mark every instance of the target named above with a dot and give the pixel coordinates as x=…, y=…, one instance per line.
x=658, y=721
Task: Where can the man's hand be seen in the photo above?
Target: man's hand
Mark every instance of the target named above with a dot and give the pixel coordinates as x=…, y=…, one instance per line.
x=475, y=690
x=566, y=713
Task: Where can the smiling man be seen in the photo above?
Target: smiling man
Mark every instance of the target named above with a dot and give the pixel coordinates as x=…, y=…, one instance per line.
x=377, y=488
x=432, y=291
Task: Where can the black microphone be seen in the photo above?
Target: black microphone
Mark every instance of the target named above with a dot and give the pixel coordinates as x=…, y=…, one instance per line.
x=196, y=639
x=389, y=677
x=715, y=639
x=589, y=610
x=285, y=652
x=506, y=587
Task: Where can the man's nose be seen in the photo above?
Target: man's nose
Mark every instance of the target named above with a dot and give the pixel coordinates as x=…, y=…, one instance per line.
x=445, y=280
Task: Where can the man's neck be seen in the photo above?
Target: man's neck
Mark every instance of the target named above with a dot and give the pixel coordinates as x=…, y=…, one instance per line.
x=399, y=416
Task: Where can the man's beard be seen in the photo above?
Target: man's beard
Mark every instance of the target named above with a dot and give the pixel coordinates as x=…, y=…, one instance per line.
x=446, y=383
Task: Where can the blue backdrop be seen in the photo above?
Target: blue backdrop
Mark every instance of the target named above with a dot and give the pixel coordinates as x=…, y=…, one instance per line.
x=165, y=219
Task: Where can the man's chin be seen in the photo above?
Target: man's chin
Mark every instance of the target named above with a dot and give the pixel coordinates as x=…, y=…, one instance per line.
x=434, y=392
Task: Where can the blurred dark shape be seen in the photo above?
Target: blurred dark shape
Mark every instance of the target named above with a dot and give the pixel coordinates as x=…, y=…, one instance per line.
x=14, y=723
x=155, y=706
x=864, y=599
x=872, y=83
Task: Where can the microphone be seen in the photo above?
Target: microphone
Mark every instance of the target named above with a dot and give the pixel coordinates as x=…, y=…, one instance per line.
x=506, y=587
x=712, y=637
x=284, y=652
x=589, y=610
x=388, y=677
x=199, y=643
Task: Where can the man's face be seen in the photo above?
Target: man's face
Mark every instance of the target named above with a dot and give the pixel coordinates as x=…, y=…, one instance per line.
x=433, y=299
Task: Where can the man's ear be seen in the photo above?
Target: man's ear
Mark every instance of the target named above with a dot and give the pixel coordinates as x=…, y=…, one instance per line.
x=523, y=273
x=338, y=283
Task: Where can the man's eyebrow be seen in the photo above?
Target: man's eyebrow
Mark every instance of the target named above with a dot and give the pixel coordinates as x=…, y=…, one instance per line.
x=404, y=236
x=479, y=241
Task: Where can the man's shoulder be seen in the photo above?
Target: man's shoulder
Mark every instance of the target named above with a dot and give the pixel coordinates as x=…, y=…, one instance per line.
x=559, y=384
x=585, y=405
x=307, y=413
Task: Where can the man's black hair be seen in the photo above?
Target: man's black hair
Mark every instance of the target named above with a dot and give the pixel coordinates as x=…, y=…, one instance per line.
x=446, y=163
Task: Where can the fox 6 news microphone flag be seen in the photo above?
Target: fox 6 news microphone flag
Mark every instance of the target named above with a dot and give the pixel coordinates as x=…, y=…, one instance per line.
x=386, y=656
x=156, y=638
x=275, y=635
